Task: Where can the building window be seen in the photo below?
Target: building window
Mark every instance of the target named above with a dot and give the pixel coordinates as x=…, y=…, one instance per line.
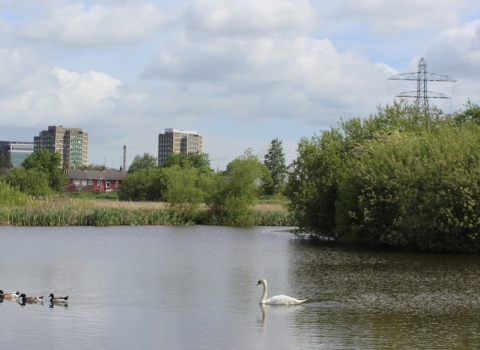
x=99, y=183
x=108, y=184
x=90, y=182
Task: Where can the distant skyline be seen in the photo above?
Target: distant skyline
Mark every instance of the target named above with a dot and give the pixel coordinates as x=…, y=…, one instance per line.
x=240, y=72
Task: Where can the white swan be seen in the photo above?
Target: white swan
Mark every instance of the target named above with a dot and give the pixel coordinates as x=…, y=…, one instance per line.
x=278, y=299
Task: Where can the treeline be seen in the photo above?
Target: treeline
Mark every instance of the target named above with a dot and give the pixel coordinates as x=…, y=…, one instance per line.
x=401, y=177
x=41, y=173
x=187, y=182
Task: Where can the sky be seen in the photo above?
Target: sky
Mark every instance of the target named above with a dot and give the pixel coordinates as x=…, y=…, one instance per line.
x=239, y=72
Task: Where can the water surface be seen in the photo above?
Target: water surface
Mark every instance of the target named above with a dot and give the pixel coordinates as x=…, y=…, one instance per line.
x=194, y=287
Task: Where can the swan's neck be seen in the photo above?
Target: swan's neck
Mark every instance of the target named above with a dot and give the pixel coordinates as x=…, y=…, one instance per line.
x=264, y=294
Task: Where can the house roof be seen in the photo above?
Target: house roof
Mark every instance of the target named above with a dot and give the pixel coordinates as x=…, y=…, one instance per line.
x=79, y=174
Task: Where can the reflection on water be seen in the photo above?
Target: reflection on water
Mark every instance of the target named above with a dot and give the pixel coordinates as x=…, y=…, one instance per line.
x=194, y=287
x=278, y=310
x=58, y=304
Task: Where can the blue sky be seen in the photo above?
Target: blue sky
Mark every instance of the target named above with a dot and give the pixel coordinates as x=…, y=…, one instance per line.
x=239, y=72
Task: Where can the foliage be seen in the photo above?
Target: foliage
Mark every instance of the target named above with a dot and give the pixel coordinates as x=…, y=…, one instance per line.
x=232, y=193
x=48, y=163
x=313, y=182
x=470, y=114
x=98, y=167
x=275, y=163
x=414, y=191
x=79, y=216
x=10, y=196
x=400, y=177
x=154, y=183
x=183, y=193
x=91, y=216
x=32, y=182
x=273, y=218
x=195, y=160
x=87, y=195
x=145, y=162
x=144, y=185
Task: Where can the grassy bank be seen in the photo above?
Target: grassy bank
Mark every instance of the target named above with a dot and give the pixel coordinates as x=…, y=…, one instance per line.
x=82, y=212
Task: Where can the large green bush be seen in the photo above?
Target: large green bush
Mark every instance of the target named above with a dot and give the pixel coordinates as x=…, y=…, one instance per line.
x=230, y=195
x=400, y=177
x=414, y=191
x=10, y=196
x=32, y=182
x=144, y=185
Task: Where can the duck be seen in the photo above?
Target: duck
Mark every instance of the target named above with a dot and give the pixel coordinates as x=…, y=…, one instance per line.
x=54, y=299
x=30, y=300
x=13, y=295
x=278, y=299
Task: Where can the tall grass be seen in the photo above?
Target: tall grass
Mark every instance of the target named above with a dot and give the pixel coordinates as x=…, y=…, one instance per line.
x=87, y=216
x=79, y=216
x=273, y=218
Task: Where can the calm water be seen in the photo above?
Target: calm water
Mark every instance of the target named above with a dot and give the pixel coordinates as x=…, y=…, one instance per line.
x=161, y=287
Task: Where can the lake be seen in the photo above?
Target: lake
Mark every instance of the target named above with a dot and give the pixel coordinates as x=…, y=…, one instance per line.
x=194, y=287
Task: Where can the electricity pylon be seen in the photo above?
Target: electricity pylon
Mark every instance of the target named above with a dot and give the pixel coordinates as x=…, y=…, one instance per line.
x=422, y=95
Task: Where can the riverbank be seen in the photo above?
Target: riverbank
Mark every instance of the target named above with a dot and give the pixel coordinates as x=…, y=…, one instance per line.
x=82, y=212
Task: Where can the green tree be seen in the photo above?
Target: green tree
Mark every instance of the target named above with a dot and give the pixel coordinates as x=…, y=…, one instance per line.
x=470, y=114
x=414, y=191
x=232, y=193
x=323, y=161
x=32, y=182
x=10, y=196
x=98, y=167
x=314, y=180
x=48, y=163
x=183, y=191
x=144, y=185
x=275, y=163
x=147, y=161
x=195, y=160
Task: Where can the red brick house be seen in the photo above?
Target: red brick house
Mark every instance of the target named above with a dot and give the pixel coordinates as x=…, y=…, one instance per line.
x=94, y=180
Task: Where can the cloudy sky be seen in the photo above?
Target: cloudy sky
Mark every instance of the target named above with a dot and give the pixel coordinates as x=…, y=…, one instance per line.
x=240, y=72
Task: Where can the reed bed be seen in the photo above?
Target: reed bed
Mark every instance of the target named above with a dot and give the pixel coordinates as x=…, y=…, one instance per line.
x=93, y=216
x=79, y=216
x=273, y=218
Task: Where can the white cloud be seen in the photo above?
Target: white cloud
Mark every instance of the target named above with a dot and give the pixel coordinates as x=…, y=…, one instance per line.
x=247, y=17
x=97, y=26
x=386, y=17
x=456, y=47
x=35, y=94
x=297, y=78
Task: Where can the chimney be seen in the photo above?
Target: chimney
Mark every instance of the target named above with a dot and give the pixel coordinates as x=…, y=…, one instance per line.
x=124, y=159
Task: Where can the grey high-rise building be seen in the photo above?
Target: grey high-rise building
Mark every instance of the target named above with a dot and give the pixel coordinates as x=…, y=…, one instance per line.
x=178, y=141
x=16, y=152
x=70, y=143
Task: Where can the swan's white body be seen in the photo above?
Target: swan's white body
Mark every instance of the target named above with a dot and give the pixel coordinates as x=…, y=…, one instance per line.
x=278, y=299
